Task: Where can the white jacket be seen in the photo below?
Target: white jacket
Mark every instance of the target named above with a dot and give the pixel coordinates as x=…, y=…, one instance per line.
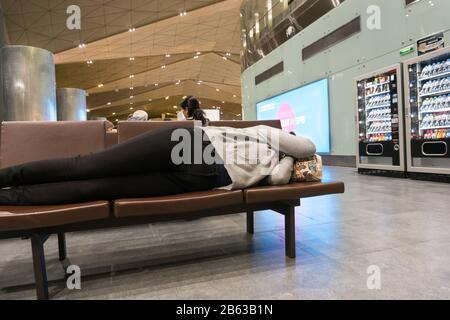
x=252, y=154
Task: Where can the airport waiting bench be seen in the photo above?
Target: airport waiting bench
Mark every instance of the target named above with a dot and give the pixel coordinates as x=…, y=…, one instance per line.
x=38, y=223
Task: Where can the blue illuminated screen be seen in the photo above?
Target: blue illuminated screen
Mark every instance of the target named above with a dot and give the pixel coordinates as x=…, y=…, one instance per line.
x=304, y=111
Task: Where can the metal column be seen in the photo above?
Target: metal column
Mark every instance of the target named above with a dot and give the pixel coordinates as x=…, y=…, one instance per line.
x=28, y=85
x=71, y=104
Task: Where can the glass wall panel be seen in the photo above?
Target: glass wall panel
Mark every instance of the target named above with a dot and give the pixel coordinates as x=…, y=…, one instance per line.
x=266, y=24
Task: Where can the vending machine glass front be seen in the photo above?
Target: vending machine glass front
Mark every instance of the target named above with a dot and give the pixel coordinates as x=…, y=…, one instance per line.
x=378, y=110
x=429, y=88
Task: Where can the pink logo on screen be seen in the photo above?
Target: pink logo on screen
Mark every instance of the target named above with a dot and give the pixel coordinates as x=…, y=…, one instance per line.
x=287, y=116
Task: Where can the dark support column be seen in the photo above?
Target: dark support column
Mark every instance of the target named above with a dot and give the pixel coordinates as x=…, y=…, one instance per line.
x=62, y=246
x=250, y=222
x=289, y=228
x=40, y=272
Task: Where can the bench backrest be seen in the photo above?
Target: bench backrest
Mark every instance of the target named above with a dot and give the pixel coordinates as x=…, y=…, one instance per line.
x=112, y=138
x=128, y=130
x=23, y=141
x=246, y=124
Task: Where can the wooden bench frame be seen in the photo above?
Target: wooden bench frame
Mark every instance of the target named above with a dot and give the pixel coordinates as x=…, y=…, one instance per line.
x=38, y=237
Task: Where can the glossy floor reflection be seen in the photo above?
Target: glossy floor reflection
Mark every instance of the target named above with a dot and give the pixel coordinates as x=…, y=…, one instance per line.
x=401, y=226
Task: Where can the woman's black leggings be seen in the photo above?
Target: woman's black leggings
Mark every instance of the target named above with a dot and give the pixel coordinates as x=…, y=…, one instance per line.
x=139, y=167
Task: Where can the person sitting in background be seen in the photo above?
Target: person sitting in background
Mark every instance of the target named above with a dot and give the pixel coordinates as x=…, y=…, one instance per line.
x=192, y=111
x=110, y=127
x=139, y=115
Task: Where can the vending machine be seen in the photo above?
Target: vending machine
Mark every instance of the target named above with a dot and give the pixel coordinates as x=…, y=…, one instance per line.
x=427, y=91
x=381, y=149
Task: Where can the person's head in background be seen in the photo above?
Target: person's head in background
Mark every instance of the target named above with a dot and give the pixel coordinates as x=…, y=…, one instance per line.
x=139, y=115
x=192, y=111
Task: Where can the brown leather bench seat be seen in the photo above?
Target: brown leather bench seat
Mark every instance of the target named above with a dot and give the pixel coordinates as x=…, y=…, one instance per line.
x=177, y=204
x=292, y=191
x=16, y=218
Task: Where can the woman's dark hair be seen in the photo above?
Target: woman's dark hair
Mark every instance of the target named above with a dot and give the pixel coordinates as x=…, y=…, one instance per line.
x=192, y=105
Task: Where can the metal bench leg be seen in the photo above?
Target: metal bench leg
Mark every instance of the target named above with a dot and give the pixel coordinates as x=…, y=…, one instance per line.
x=40, y=272
x=250, y=222
x=62, y=246
x=289, y=229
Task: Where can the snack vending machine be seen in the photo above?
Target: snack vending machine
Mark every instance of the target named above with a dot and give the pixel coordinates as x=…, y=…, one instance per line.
x=427, y=83
x=380, y=122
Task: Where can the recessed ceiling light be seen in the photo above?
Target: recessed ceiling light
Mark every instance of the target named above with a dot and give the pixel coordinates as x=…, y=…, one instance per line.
x=113, y=113
x=131, y=88
x=175, y=107
x=195, y=57
x=131, y=97
x=89, y=62
x=199, y=53
x=131, y=108
x=88, y=110
x=224, y=58
x=163, y=66
x=167, y=98
x=234, y=96
x=217, y=90
x=184, y=97
x=156, y=84
x=228, y=54
x=223, y=101
x=132, y=76
x=109, y=103
x=150, y=100
x=131, y=103
x=82, y=45
x=168, y=55
x=132, y=58
x=132, y=30
x=100, y=85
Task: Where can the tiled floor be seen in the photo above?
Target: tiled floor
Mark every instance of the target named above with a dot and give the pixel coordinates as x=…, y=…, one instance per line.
x=401, y=226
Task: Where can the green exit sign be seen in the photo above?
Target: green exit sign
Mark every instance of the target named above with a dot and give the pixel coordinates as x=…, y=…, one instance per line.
x=406, y=50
